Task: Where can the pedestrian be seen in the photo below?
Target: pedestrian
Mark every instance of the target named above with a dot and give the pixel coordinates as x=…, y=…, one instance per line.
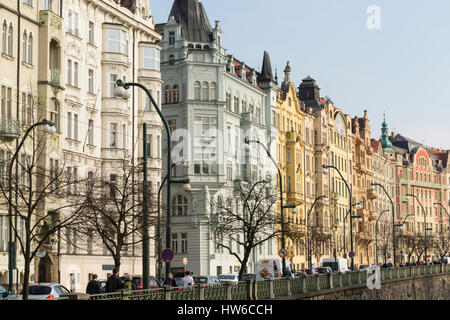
x=187, y=281
x=128, y=285
x=113, y=283
x=170, y=281
x=93, y=287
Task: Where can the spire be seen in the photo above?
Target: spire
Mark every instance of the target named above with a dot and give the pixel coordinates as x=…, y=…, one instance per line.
x=191, y=15
x=266, y=71
x=287, y=78
x=385, y=142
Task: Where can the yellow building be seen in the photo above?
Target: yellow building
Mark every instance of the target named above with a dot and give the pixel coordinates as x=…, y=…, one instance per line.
x=290, y=123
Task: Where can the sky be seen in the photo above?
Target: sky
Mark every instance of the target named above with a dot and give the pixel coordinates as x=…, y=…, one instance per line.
x=382, y=56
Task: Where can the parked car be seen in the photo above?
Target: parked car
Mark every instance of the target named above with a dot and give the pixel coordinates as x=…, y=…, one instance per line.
x=312, y=271
x=255, y=276
x=207, y=280
x=45, y=291
x=323, y=270
x=233, y=278
x=4, y=294
x=138, y=282
x=336, y=264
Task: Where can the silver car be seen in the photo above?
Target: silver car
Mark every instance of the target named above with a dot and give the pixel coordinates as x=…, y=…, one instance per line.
x=233, y=278
x=45, y=291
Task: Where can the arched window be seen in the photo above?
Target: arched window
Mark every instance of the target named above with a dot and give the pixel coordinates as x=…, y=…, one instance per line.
x=168, y=94
x=10, y=40
x=4, y=31
x=30, y=49
x=176, y=93
x=24, y=46
x=197, y=88
x=212, y=91
x=171, y=60
x=205, y=91
x=179, y=205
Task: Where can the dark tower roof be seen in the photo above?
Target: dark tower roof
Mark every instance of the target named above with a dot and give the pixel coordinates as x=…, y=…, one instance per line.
x=309, y=93
x=191, y=15
x=266, y=71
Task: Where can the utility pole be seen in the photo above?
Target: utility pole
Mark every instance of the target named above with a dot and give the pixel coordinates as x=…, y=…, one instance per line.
x=145, y=240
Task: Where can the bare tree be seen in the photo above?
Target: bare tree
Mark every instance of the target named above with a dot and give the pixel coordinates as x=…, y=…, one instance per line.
x=248, y=228
x=442, y=243
x=114, y=215
x=41, y=203
x=385, y=240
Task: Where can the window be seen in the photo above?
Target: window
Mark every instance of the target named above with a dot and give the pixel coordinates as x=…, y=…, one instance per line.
x=176, y=93
x=91, y=81
x=175, y=242
x=184, y=243
x=205, y=145
x=171, y=60
x=24, y=47
x=151, y=58
x=91, y=32
x=171, y=38
x=205, y=91
x=10, y=40
x=212, y=91
x=148, y=146
x=117, y=41
x=91, y=132
x=75, y=127
x=179, y=205
x=112, y=186
x=112, y=85
x=197, y=89
x=113, y=135
x=48, y=5
x=54, y=113
x=69, y=71
x=69, y=125
x=168, y=94
x=30, y=49
x=124, y=136
x=4, y=32
x=28, y=2
x=75, y=74
x=53, y=174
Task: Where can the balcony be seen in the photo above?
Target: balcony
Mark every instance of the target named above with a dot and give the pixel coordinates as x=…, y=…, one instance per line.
x=49, y=19
x=372, y=215
x=9, y=129
x=372, y=194
x=55, y=76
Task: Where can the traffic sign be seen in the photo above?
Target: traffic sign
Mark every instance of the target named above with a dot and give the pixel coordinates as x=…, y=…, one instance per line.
x=282, y=253
x=185, y=261
x=351, y=254
x=167, y=255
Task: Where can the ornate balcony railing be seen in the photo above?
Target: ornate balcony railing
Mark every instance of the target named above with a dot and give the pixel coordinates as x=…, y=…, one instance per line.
x=9, y=129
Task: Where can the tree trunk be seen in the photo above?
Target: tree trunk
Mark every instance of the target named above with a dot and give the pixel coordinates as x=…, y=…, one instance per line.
x=244, y=263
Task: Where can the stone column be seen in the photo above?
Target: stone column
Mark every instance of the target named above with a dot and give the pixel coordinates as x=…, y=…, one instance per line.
x=330, y=280
x=271, y=293
x=229, y=296
x=289, y=293
x=249, y=289
x=202, y=291
x=359, y=276
x=304, y=284
x=255, y=290
x=317, y=281
x=340, y=278
x=167, y=290
x=349, y=275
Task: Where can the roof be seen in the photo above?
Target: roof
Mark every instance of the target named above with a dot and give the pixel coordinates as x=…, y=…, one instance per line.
x=266, y=71
x=195, y=25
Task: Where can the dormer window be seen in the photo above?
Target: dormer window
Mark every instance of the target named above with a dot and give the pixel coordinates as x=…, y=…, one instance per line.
x=171, y=38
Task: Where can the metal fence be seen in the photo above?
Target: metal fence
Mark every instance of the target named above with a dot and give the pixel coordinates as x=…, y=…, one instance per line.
x=270, y=288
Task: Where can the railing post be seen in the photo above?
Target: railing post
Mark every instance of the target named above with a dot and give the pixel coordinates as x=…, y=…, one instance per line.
x=249, y=289
x=340, y=278
x=201, y=291
x=289, y=292
x=255, y=290
x=390, y=273
x=271, y=292
x=78, y=296
x=349, y=274
x=167, y=290
x=304, y=284
x=229, y=285
x=125, y=294
x=359, y=276
x=317, y=281
x=330, y=280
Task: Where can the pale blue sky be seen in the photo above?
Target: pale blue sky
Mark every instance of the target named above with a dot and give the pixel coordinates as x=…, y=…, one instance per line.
x=402, y=69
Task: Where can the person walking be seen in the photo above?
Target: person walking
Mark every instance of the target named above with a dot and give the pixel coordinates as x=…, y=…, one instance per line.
x=113, y=283
x=187, y=281
x=170, y=281
x=93, y=287
x=128, y=285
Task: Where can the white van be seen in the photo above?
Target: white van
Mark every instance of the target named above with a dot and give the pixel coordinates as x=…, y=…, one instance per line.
x=271, y=267
x=446, y=260
x=336, y=264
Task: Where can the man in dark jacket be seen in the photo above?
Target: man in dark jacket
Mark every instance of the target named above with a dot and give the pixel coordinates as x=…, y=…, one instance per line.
x=170, y=281
x=93, y=287
x=113, y=283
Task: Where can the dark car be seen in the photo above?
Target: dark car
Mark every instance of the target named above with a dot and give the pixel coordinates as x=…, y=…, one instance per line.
x=324, y=270
x=254, y=276
x=207, y=280
x=312, y=271
x=4, y=294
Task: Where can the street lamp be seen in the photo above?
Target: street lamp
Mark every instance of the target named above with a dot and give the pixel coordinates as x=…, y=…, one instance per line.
x=122, y=92
x=291, y=206
x=325, y=170
x=325, y=198
x=373, y=187
x=49, y=127
x=376, y=237
x=425, y=219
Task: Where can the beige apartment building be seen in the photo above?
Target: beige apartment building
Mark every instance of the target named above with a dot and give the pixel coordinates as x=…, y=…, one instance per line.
x=71, y=53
